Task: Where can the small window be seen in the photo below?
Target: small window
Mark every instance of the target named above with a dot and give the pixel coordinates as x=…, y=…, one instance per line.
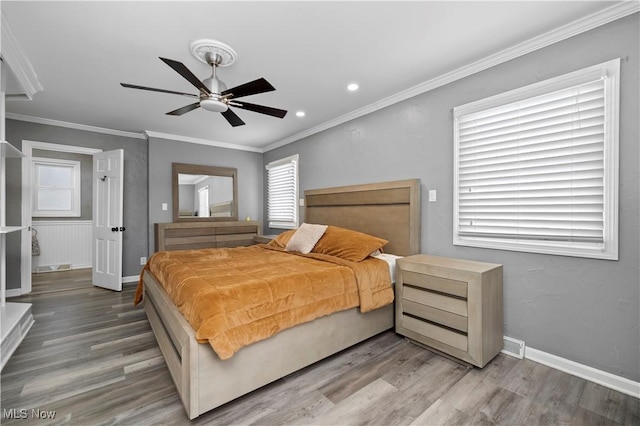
x=536, y=168
x=56, y=188
x=282, y=193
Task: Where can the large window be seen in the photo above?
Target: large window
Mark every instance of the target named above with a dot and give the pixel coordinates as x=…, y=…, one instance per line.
x=536, y=168
x=282, y=193
x=56, y=191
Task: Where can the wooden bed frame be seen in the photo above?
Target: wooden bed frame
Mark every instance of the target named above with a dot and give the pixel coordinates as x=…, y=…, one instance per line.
x=390, y=210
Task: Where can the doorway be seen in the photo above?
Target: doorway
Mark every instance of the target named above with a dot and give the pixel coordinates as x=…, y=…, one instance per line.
x=28, y=147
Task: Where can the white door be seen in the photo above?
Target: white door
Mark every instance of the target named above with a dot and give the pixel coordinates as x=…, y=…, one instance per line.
x=107, y=219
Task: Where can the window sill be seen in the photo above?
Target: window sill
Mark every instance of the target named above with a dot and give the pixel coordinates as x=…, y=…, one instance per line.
x=599, y=251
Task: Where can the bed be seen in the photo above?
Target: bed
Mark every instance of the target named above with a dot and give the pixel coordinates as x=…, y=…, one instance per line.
x=389, y=210
x=224, y=209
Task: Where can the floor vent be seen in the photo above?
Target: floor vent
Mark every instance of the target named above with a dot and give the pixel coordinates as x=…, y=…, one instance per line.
x=513, y=347
x=52, y=268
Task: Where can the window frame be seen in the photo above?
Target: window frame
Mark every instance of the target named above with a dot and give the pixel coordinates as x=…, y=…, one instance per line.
x=610, y=72
x=283, y=224
x=76, y=188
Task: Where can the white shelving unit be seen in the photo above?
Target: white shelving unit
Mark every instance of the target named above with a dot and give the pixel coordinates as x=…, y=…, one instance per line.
x=15, y=318
x=19, y=81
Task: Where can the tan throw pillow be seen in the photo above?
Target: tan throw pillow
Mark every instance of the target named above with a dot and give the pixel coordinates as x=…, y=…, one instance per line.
x=305, y=238
x=347, y=244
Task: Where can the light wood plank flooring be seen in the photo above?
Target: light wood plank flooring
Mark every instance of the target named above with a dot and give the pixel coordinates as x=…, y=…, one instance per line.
x=92, y=359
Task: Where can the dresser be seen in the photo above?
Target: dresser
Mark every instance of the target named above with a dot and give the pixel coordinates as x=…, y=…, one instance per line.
x=198, y=235
x=451, y=305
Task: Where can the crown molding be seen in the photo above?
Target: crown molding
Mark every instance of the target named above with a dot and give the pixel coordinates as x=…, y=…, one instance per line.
x=143, y=135
x=589, y=22
x=76, y=126
x=188, y=139
x=16, y=60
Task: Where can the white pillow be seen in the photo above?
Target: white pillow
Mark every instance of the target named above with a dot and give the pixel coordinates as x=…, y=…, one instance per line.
x=305, y=238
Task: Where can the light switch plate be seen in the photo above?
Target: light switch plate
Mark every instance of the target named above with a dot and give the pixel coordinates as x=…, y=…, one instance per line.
x=432, y=195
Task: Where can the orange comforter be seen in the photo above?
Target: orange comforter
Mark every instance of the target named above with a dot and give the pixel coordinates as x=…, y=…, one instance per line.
x=234, y=297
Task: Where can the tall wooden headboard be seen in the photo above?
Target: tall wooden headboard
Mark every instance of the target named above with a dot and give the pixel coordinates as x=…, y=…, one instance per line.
x=390, y=210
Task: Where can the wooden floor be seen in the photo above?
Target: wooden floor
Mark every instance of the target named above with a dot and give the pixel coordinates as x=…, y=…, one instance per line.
x=91, y=359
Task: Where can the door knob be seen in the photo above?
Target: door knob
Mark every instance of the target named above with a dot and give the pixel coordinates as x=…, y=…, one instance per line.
x=122, y=229
x=114, y=229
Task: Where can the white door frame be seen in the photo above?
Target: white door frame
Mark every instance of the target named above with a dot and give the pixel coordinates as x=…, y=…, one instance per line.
x=27, y=186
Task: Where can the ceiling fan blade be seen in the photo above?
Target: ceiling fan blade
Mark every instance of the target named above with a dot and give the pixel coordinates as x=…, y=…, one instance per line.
x=181, y=69
x=275, y=112
x=251, y=88
x=184, y=109
x=152, y=89
x=232, y=118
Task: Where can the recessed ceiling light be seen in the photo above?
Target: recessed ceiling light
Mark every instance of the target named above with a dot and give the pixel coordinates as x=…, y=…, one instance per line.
x=352, y=87
x=300, y=114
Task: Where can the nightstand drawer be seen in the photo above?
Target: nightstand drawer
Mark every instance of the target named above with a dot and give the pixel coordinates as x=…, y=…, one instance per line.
x=432, y=331
x=435, y=300
x=436, y=315
x=430, y=282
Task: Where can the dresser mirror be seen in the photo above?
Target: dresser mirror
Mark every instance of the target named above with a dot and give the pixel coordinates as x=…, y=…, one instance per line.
x=204, y=193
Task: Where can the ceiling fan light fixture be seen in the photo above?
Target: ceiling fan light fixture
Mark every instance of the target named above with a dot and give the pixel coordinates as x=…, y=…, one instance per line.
x=214, y=105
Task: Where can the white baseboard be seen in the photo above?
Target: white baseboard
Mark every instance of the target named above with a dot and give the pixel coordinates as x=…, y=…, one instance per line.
x=131, y=279
x=14, y=292
x=600, y=377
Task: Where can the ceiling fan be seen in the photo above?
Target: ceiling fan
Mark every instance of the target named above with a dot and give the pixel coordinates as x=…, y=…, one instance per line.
x=214, y=95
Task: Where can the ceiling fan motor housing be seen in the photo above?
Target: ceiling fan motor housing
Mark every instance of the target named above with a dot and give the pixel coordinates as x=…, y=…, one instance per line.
x=213, y=102
x=215, y=85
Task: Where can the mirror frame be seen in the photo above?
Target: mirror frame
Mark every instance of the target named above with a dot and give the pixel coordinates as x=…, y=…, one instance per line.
x=196, y=169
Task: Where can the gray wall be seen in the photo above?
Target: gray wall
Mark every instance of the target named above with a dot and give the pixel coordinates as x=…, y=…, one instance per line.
x=187, y=196
x=134, y=197
x=86, y=181
x=163, y=152
x=584, y=310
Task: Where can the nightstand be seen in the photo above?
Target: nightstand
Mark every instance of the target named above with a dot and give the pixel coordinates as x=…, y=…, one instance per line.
x=263, y=239
x=451, y=305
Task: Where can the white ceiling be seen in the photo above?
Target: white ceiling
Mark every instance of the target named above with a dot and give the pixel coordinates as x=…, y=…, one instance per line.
x=309, y=51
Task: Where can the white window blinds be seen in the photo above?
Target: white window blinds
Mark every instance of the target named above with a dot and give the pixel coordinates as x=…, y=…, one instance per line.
x=535, y=169
x=203, y=201
x=282, y=193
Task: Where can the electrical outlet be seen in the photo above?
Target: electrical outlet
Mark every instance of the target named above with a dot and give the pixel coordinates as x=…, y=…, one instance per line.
x=143, y=260
x=165, y=206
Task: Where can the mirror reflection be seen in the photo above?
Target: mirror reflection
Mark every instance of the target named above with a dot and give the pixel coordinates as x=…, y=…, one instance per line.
x=205, y=196
x=204, y=193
